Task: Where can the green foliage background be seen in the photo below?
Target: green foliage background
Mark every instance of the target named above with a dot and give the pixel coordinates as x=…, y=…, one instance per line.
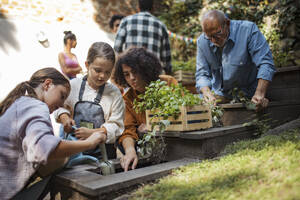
x=273, y=17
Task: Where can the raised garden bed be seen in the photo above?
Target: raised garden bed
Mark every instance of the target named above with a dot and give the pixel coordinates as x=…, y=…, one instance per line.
x=278, y=111
x=204, y=144
x=285, y=85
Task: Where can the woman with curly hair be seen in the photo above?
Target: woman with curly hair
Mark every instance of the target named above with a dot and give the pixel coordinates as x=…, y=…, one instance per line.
x=135, y=69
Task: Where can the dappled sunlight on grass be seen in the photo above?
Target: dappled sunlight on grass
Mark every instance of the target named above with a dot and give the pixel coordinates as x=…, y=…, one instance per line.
x=267, y=168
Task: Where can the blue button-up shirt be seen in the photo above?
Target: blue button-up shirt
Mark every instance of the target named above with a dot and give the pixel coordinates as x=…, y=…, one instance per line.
x=246, y=57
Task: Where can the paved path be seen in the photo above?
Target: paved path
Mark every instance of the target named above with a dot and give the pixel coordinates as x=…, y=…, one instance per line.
x=21, y=54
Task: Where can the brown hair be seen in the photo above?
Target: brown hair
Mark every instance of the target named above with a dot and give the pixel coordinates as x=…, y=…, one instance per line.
x=102, y=50
x=36, y=79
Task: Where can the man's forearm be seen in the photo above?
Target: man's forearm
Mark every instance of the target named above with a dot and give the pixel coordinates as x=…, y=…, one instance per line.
x=262, y=87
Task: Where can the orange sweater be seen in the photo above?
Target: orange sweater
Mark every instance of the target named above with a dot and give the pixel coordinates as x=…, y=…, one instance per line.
x=132, y=119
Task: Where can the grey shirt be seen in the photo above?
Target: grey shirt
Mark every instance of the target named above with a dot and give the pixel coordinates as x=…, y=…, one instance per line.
x=26, y=140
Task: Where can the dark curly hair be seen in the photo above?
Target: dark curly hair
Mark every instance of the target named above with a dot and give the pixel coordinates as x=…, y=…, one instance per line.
x=143, y=62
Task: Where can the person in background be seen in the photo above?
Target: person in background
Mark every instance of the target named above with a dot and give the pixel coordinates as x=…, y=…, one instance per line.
x=26, y=138
x=230, y=54
x=114, y=25
x=144, y=30
x=96, y=105
x=68, y=61
x=135, y=69
x=114, y=22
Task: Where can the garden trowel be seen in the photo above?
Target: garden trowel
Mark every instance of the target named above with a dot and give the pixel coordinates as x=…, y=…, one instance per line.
x=106, y=166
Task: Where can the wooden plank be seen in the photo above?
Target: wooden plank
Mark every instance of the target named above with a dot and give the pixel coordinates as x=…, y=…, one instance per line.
x=279, y=112
x=104, y=184
x=209, y=133
x=215, y=132
x=271, y=104
x=184, y=76
x=288, y=69
x=198, y=116
x=198, y=126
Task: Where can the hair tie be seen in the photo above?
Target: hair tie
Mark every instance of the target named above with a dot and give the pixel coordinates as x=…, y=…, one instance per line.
x=27, y=83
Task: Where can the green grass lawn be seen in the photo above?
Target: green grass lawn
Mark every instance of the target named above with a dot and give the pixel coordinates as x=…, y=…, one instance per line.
x=267, y=168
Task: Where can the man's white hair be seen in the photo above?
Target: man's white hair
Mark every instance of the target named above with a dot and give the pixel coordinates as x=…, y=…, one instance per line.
x=213, y=15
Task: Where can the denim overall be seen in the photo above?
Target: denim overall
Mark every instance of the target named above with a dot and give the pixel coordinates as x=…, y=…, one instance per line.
x=88, y=114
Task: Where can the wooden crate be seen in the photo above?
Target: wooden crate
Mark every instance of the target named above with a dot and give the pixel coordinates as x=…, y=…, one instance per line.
x=191, y=118
x=185, y=77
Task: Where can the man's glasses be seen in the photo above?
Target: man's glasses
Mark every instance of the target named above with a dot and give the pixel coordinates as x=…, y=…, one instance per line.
x=217, y=35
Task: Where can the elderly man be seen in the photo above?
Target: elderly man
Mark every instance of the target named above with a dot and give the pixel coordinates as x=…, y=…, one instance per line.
x=232, y=53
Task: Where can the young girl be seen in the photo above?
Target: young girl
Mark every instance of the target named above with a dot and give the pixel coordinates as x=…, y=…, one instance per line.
x=95, y=104
x=68, y=60
x=26, y=138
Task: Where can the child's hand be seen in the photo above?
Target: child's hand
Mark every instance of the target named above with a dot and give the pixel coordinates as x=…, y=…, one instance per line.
x=142, y=129
x=67, y=122
x=96, y=138
x=83, y=133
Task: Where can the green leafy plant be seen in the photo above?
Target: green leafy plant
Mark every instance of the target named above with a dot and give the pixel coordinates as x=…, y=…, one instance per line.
x=189, y=65
x=280, y=56
x=165, y=100
x=262, y=122
x=153, y=145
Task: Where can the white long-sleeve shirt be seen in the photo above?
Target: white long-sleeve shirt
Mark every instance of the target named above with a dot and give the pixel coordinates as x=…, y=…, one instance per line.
x=112, y=104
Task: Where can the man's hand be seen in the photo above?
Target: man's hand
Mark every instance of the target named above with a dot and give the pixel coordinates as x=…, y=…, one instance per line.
x=259, y=96
x=208, y=96
x=67, y=122
x=260, y=101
